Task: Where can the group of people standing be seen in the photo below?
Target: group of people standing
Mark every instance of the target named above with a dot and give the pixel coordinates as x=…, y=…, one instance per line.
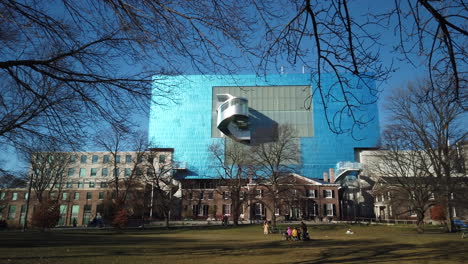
x=291, y=234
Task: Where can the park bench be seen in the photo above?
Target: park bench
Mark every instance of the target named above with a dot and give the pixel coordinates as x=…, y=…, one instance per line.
x=462, y=227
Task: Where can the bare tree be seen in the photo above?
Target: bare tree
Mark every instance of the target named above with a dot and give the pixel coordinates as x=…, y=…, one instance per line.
x=48, y=172
x=273, y=162
x=233, y=165
x=405, y=180
x=65, y=65
x=428, y=120
x=124, y=183
x=340, y=43
x=159, y=175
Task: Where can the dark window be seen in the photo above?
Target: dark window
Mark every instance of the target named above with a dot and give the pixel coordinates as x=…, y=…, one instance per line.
x=95, y=158
x=83, y=158
x=106, y=159
x=88, y=195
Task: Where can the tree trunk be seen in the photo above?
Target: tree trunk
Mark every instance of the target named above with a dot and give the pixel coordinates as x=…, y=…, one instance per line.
x=273, y=216
x=420, y=223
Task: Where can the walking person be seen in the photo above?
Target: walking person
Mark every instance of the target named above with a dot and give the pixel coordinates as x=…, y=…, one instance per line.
x=266, y=227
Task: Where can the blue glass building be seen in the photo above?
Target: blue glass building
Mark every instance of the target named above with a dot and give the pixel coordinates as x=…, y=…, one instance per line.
x=188, y=124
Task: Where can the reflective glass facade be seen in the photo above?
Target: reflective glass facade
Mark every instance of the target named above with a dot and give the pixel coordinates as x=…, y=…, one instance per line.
x=188, y=124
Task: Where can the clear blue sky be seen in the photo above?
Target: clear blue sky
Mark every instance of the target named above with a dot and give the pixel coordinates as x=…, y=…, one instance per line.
x=404, y=72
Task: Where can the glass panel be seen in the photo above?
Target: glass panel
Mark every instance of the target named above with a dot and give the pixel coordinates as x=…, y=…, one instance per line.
x=95, y=158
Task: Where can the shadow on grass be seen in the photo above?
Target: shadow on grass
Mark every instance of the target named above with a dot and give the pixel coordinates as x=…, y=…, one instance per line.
x=206, y=242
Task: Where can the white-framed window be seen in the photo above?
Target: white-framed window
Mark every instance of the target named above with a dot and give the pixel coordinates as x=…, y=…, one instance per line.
x=226, y=209
x=277, y=211
x=329, y=209
x=327, y=193
x=259, y=209
x=201, y=195
x=311, y=193
x=226, y=195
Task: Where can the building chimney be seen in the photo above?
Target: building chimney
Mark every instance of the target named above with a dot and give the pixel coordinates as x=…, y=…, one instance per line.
x=325, y=176
x=331, y=171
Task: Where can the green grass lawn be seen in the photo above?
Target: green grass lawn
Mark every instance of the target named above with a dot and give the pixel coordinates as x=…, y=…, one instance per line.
x=245, y=244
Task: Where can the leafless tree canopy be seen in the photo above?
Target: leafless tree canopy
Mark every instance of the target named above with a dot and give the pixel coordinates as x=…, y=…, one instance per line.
x=233, y=165
x=340, y=38
x=66, y=64
x=48, y=172
x=427, y=121
x=275, y=161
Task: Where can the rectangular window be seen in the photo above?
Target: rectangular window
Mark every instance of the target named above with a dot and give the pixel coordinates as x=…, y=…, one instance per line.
x=12, y=212
x=95, y=158
x=162, y=158
x=64, y=196
x=277, y=211
x=116, y=172
x=200, y=195
x=76, y=196
x=26, y=195
x=311, y=193
x=74, y=214
x=128, y=172
x=259, y=209
x=226, y=209
x=128, y=158
x=63, y=214
x=80, y=185
x=82, y=172
x=83, y=158
x=195, y=209
x=2, y=196
x=52, y=195
x=210, y=196
x=72, y=158
x=69, y=185
x=104, y=172
x=101, y=195
x=117, y=158
x=88, y=196
x=327, y=194
x=71, y=171
x=23, y=214
x=103, y=184
x=91, y=184
x=14, y=196
x=258, y=193
x=93, y=172
x=106, y=159
x=330, y=209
